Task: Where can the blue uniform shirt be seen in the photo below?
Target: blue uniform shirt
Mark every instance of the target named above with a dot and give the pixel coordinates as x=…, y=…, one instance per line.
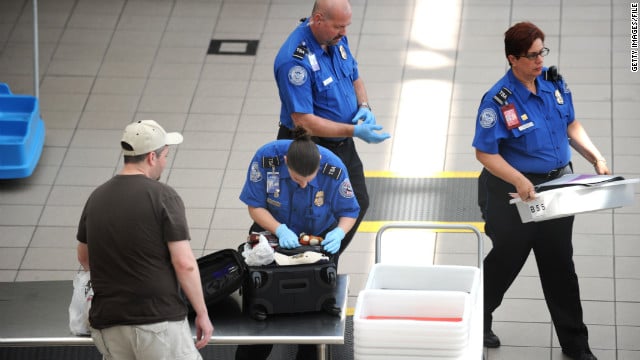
x=540, y=144
x=313, y=81
x=311, y=210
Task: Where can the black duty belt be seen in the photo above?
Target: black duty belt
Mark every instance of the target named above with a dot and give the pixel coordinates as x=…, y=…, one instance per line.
x=330, y=143
x=286, y=130
x=551, y=174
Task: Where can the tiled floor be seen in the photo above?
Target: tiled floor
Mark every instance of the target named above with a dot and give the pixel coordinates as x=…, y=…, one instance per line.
x=426, y=64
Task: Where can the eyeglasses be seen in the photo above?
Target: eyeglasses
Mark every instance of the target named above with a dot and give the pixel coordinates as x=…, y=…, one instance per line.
x=532, y=56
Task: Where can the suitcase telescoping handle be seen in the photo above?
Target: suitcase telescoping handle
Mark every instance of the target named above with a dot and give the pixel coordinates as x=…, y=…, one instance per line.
x=413, y=226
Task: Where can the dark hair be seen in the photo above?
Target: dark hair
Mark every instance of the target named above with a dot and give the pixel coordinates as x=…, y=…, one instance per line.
x=134, y=159
x=519, y=38
x=303, y=156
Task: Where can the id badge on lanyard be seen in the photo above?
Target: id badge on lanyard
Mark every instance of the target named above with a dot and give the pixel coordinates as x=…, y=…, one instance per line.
x=511, y=118
x=273, y=182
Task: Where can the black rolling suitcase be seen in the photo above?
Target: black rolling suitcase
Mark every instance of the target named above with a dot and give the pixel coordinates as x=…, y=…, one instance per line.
x=274, y=289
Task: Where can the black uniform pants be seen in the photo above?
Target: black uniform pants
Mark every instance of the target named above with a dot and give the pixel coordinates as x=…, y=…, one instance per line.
x=346, y=151
x=262, y=352
x=552, y=247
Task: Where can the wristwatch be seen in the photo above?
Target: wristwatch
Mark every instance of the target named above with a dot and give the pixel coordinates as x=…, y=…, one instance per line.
x=365, y=104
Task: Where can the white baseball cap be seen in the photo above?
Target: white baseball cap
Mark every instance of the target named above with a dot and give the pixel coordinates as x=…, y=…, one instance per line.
x=145, y=136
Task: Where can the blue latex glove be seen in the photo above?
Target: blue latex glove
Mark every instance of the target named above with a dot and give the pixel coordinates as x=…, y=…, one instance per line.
x=287, y=238
x=332, y=240
x=367, y=133
x=366, y=115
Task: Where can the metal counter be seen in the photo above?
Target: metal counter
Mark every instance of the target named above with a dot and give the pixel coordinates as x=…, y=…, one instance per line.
x=36, y=314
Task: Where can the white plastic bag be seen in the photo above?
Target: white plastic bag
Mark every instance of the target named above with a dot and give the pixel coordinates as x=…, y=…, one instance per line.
x=80, y=304
x=261, y=254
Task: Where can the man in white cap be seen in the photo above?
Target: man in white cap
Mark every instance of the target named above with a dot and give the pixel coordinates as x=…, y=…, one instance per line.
x=133, y=236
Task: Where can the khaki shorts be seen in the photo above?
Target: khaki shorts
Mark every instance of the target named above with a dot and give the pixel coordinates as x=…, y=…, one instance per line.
x=168, y=340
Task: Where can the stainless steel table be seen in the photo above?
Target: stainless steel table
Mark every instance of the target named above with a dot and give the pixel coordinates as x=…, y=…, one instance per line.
x=36, y=314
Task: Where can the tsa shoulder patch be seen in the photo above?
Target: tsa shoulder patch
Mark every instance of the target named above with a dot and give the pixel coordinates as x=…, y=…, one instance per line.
x=488, y=118
x=270, y=162
x=255, y=175
x=346, y=190
x=298, y=75
x=300, y=51
x=332, y=171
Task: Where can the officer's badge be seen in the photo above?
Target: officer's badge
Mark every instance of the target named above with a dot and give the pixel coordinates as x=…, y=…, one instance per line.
x=559, y=98
x=319, y=199
x=343, y=52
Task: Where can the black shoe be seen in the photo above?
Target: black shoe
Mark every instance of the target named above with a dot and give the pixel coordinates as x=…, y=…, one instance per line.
x=584, y=355
x=587, y=356
x=491, y=340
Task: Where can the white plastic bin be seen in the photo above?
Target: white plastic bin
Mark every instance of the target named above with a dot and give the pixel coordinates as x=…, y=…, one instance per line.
x=432, y=278
x=427, y=291
x=576, y=199
x=401, y=353
x=402, y=340
x=406, y=328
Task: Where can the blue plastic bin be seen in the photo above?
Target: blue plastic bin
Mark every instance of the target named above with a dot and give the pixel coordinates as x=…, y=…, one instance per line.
x=22, y=134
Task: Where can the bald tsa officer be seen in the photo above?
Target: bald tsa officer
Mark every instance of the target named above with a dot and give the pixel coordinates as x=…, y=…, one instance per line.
x=321, y=90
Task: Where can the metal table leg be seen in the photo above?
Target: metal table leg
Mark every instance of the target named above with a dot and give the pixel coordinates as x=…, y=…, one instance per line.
x=323, y=354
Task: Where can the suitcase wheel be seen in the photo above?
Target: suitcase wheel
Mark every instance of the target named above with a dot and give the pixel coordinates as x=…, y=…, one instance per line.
x=329, y=276
x=329, y=306
x=332, y=278
x=258, y=312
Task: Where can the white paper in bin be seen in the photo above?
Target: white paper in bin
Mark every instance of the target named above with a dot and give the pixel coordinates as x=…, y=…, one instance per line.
x=424, y=277
x=576, y=199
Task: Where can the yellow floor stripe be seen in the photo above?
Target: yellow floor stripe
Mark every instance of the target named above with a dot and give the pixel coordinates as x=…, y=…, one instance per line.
x=374, y=226
x=350, y=311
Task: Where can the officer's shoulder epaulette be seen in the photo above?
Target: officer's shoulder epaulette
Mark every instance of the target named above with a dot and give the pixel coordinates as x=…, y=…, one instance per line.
x=270, y=161
x=331, y=171
x=300, y=51
x=502, y=95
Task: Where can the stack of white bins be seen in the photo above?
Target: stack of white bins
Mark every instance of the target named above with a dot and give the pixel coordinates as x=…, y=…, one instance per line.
x=419, y=312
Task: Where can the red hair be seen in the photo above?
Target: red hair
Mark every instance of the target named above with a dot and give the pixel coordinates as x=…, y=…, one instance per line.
x=519, y=38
